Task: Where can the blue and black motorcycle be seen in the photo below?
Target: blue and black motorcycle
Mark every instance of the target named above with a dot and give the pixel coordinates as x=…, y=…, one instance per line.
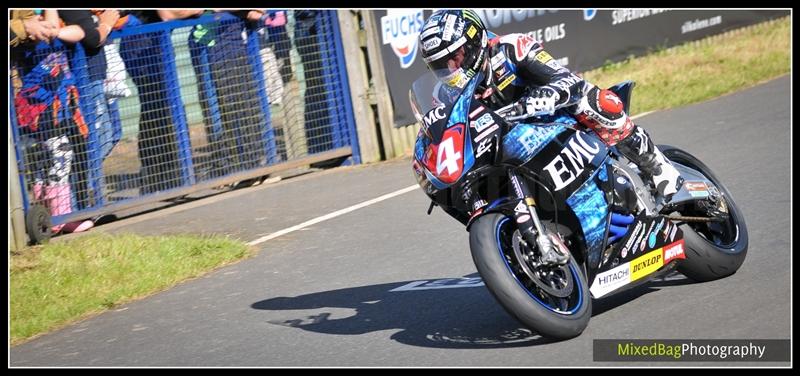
x=555, y=217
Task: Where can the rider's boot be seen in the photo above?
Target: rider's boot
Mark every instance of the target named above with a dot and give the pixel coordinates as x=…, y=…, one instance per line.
x=639, y=149
x=604, y=112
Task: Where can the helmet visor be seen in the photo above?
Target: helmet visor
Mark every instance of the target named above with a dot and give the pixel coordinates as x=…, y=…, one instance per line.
x=456, y=79
x=456, y=68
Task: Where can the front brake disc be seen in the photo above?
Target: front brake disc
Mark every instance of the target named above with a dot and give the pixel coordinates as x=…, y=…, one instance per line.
x=555, y=280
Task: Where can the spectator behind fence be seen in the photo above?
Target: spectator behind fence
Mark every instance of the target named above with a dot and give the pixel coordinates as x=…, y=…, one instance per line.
x=274, y=46
x=232, y=112
x=317, y=121
x=274, y=50
x=278, y=39
x=115, y=85
x=116, y=75
x=96, y=29
x=144, y=60
x=25, y=26
x=200, y=38
x=48, y=114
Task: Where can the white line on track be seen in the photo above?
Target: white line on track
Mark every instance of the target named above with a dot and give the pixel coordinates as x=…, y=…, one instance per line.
x=642, y=114
x=333, y=215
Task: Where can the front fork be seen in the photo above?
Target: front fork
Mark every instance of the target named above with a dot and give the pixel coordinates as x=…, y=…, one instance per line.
x=551, y=248
x=530, y=226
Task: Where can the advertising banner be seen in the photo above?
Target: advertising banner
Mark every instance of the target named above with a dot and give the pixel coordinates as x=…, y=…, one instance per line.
x=580, y=40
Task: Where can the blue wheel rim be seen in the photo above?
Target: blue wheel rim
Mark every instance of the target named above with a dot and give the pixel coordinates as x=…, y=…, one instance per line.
x=573, y=274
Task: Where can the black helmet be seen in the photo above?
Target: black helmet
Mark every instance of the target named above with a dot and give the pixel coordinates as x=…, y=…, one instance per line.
x=453, y=44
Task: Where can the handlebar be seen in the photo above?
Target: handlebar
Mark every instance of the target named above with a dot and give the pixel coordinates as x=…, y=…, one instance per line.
x=515, y=112
x=519, y=117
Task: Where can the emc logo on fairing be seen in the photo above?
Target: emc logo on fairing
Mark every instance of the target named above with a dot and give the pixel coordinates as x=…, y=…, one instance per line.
x=577, y=152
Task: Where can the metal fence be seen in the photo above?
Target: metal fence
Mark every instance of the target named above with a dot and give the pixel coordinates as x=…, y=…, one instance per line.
x=177, y=107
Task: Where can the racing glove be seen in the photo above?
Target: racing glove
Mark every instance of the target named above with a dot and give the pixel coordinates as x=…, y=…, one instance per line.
x=542, y=101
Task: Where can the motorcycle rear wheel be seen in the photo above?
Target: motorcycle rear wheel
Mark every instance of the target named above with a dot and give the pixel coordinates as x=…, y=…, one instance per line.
x=713, y=250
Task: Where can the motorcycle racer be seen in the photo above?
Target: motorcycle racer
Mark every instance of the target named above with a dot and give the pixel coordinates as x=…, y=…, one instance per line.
x=455, y=46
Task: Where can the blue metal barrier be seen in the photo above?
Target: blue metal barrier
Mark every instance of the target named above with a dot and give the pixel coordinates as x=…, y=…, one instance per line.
x=223, y=150
x=15, y=134
x=346, y=120
x=177, y=108
x=79, y=67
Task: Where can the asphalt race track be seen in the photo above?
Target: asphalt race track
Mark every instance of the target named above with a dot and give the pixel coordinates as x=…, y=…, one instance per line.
x=322, y=295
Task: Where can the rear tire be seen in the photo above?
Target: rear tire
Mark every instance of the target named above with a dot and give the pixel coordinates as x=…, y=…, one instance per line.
x=707, y=260
x=486, y=245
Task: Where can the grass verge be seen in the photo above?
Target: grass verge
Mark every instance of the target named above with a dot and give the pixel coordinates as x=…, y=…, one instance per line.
x=58, y=283
x=704, y=69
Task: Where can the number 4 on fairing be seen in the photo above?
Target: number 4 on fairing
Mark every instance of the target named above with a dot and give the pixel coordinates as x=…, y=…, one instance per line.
x=447, y=158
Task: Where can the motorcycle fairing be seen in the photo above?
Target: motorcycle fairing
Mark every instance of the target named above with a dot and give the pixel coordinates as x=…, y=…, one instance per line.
x=688, y=191
x=624, y=262
x=566, y=160
x=644, y=235
x=589, y=205
x=456, y=129
x=462, y=155
x=525, y=141
x=636, y=270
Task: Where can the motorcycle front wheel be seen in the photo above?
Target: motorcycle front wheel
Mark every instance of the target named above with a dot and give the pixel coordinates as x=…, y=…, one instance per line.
x=554, y=302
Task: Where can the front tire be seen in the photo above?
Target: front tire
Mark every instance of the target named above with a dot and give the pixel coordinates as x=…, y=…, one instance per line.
x=713, y=251
x=551, y=316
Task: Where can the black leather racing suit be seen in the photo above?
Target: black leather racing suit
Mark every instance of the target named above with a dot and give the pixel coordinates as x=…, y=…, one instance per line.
x=519, y=67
